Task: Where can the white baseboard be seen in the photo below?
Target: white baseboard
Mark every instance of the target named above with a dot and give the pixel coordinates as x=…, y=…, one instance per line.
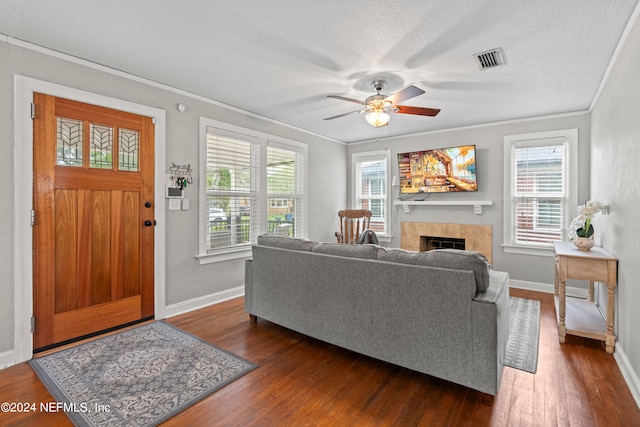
x=630, y=376
x=547, y=288
x=201, y=302
x=8, y=358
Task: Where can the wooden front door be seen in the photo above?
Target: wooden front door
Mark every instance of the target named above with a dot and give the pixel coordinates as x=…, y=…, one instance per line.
x=94, y=219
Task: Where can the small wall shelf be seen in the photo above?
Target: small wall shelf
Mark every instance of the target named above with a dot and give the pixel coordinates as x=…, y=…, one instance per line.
x=477, y=204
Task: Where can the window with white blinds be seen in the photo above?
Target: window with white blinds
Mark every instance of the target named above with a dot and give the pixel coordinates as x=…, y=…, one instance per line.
x=284, y=191
x=231, y=189
x=251, y=184
x=370, y=187
x=540, y=187
x=539, y=193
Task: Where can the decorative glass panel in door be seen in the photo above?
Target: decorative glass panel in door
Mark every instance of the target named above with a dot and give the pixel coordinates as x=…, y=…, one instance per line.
x=69, y=146
x=128, y=147
x=101, y=146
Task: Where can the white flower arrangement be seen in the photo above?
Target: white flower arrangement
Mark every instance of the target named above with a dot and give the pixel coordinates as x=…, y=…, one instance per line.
x=581, y=225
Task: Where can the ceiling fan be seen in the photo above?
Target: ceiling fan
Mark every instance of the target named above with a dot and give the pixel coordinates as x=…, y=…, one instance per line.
x=379, y=106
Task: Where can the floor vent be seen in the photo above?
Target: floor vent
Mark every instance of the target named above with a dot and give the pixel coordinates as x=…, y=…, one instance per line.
x=489, y=59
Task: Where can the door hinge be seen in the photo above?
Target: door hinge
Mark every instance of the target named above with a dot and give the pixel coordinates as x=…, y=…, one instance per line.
x=33, y=110
x=153, y=120
x=33, y=217
x=33, y=325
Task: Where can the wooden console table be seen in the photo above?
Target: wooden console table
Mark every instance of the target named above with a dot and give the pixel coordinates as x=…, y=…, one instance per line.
x=578, y=316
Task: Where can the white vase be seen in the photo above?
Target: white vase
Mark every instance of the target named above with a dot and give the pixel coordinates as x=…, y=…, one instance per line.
x=583, y=243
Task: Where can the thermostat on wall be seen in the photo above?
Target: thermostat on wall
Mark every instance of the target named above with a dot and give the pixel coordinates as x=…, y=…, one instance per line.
x=175, y=193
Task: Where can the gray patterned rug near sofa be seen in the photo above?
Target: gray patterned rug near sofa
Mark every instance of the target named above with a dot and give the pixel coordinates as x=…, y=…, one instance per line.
x=139, y=377
x=524, y=334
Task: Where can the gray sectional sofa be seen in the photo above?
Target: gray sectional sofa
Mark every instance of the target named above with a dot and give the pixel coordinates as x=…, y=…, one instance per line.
x=444, y=313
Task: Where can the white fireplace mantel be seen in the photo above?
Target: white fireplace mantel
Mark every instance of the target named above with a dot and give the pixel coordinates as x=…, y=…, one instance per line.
x=477, y=204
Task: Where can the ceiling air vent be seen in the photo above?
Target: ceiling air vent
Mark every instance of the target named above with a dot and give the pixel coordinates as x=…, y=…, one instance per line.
x=489, y=59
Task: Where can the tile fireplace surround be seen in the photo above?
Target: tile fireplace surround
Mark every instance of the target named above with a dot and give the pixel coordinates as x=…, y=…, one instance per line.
x=476, y=237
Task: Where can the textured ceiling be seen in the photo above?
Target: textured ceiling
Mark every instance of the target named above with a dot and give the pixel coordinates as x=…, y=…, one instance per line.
x=279, y=59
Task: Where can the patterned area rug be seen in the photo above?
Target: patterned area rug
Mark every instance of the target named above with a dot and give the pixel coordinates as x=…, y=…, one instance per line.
x=139, y=377
x=524, y=334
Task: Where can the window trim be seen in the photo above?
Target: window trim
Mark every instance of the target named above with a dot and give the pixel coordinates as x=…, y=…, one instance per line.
x=571, y=186
x=263, y=140
x=355, y=179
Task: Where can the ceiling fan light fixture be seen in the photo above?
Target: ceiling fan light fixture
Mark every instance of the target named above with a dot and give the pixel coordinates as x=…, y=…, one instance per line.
x=377, y=118
x=377, y=107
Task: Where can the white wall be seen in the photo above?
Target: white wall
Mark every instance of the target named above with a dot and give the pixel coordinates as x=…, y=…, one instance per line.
x=6, y=207
x=615, y=179
x=489, y=162
x=186, y=279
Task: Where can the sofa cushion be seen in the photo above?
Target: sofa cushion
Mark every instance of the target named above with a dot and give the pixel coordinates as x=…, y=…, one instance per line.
x=445, y=258
x=401, y=256
x=351, y=251
x=282, y=242
x=468, y=260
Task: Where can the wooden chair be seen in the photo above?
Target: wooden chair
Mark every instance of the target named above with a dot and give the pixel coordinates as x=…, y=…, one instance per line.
x=352, y=223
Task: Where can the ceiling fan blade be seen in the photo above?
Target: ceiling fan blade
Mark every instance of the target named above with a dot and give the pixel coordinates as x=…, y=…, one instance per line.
x=403, y=109
x=342, y=115
x=345, y=99
x=404, y=94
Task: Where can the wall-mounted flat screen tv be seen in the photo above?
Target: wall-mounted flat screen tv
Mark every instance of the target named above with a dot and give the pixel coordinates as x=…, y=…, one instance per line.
x=443, y=170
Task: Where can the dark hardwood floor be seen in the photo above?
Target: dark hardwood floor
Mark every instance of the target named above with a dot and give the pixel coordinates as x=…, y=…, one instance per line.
x=304, y=382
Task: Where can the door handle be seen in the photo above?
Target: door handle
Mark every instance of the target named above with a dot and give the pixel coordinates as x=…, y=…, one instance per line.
x=149, y=223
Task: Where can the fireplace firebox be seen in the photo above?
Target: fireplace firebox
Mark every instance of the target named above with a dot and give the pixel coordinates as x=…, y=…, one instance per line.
x=476, y=237
x=429, y=243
